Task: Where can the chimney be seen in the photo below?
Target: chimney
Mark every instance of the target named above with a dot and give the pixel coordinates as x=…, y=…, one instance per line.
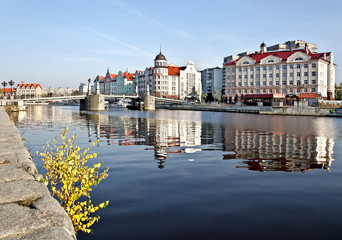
x=306, y=48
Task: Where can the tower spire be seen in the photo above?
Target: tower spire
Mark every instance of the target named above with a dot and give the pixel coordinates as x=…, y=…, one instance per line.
x=160, y=49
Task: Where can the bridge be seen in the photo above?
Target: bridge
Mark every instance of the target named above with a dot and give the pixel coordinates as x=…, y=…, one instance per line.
x=96, y=102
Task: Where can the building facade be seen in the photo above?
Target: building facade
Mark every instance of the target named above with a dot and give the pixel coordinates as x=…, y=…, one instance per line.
x=115, y=84
x=288, y=72
x=168, y=80
x=29, y=90
x=212, y=81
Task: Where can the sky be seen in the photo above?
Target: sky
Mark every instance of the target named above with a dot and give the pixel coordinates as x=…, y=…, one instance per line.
x=62, y=43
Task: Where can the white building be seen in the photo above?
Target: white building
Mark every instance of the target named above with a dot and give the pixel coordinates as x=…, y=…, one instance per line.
x=168, y=80
x=29, y=90
x=83, y=88
x=287, y=72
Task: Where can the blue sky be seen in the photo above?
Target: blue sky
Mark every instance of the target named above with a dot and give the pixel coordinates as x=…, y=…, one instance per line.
x=63, y=43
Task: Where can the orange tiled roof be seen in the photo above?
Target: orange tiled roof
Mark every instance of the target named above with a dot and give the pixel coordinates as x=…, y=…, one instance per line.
x=35, y=85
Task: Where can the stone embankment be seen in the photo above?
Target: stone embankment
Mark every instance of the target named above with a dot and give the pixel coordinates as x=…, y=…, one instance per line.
x=27, y=210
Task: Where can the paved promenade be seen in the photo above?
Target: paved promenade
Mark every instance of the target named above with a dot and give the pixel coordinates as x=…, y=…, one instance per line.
x=27, y=210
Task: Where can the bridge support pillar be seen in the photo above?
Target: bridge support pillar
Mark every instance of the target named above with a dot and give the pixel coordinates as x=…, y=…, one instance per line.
x=149, y=103
x=93, y=103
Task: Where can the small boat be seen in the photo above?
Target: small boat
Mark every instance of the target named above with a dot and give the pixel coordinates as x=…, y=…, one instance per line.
x=122, y=103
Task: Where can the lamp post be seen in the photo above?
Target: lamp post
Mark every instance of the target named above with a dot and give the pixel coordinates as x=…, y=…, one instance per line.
x=11, y=83
x=3, y=89
x=89, y=80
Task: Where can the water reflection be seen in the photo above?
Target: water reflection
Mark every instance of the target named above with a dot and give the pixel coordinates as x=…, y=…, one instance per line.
x=259, y=143
x=279, y=151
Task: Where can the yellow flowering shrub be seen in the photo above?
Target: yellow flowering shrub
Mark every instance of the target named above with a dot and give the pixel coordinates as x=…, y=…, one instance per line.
x=70, y=178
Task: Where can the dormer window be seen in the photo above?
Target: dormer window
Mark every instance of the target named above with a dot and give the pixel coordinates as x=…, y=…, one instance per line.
x=299, y=59
x=270, y=61
x=245, y=63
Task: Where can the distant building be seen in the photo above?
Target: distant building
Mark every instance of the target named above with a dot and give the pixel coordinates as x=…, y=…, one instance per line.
x=168, y=80
x=212, y=81
x=83, y=88
x=115, y=84
x=290, y=72
x=29, y=90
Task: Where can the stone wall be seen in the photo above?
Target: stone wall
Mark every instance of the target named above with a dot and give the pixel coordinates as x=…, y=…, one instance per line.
x=27, y=210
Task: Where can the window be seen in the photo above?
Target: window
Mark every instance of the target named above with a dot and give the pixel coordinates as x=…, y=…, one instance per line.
x=245, y=76
x=264, y=68
x=240, y=69
x=291, y=66
x=245, y=90
x=240, y=84
x=277, y=67
x=239, y=91
x=299, y=59
x=305, y=74
x=240, y=77
x=251, y=91
x=258, y=83
x=251, y=68
x=264, y=75
x=245, y=63
x=264, y=91
x=298, y=74
x=313, y=74
x=305, y=81
x=313, y=89
x=252, y=83
x=298, y=82
x=298, y=65
x=305, y=65
x=233, y=70
x=298, y=90
x=291, y=74
x=270, y=75
x=314, y=65
x=284, y=82
x=291, y=82
x=313, y=81
x=270, y=90
x=277, y=83
x=277, y=90
x=264, y=83
x=258, y=91
x=270, y=68
x=252, y=76
x=284, y=66
x=270, y=83
x=258, y=68
x=277, y=74
x=284, y=75
x=270, y=61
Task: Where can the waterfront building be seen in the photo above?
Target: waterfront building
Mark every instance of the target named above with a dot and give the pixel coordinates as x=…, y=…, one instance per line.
x=112, y=84
x=290, y=72
x=212, y=82
x=29, y=90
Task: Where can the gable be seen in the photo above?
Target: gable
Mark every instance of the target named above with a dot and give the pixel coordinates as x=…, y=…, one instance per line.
x=245, y=61
x=270, y=59
x=298, y=57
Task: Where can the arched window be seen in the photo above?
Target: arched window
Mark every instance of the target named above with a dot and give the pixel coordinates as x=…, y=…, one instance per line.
x=245, y=63
x=299, y=59
x=270, y=61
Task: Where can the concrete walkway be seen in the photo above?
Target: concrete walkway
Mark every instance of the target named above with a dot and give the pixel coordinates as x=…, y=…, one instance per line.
x=27, y=210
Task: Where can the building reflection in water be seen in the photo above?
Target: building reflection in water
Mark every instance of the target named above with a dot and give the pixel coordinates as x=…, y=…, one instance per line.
x=279, y=151
x=167, y=136
x=271, y=144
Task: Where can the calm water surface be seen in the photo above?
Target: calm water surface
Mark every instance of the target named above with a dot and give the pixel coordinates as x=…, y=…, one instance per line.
x=205, y=175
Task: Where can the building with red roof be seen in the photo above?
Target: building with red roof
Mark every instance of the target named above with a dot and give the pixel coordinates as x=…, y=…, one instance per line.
x=112, y=84
x=29, y=90
x=290, y=72
x=168, y=80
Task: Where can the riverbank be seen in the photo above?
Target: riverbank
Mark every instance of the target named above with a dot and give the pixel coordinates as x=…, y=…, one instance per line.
x=297, y=110
x=27, y=210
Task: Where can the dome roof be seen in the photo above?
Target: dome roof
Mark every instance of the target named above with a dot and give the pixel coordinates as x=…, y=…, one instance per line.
x=160, y=56
x=263, y=44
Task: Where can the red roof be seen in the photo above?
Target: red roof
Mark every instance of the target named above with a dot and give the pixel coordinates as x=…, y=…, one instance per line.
x=173, y=70
x=102, y=77
x=281, y=54
x=8, y=90
x=113, y=75
x=35, y=85
x=128, y=75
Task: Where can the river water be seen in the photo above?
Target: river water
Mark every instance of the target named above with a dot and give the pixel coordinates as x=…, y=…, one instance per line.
x=205, y=175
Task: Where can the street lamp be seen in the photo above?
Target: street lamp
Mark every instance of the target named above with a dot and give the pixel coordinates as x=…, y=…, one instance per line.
x=11, y=83
x=3, y=89
x=89, y=80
